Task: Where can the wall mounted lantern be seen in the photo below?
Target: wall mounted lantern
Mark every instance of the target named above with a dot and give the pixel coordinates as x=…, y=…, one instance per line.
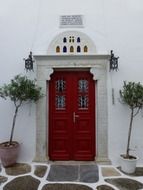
x=113, y=62
x=29, y=62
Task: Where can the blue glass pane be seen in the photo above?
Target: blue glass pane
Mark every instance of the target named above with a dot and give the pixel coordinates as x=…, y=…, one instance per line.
x=64, y=40
x=78, y=39
x=78, y=49
x=64, y=49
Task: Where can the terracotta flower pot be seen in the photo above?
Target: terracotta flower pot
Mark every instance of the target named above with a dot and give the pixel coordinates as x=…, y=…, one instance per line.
x=9, y=153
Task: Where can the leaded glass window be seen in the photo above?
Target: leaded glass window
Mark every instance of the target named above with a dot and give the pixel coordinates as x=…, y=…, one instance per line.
x=83, y=94
x=60, y=85
x=60, y=88
x=83, y=85
x=60, y=101
x=83, y=101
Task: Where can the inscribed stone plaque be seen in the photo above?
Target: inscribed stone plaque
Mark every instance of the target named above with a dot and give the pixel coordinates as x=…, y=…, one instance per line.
x=71, y=21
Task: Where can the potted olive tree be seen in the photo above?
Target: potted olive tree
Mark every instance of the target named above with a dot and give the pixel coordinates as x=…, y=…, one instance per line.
x=132, y=96
x=20, y=90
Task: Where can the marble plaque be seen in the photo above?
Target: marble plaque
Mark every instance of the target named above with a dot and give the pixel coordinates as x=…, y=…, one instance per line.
x=71, y=21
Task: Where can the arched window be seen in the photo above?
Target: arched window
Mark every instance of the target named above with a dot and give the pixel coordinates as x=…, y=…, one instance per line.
x=64, y=49
x=78, y=49
x=85, y=49
x=78, y=39
x=57, y=49
x=71, y=39
x=71, y=49
x=64, y=40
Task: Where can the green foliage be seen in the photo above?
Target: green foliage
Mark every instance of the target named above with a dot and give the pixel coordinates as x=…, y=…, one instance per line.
x=132, y=94
x=1, y=94
x=21, y=89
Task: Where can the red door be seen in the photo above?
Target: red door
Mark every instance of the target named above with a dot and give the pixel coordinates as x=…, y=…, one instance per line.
x=71, y=116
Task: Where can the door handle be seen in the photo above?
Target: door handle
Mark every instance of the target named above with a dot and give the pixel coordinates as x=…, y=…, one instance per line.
x=75, y=116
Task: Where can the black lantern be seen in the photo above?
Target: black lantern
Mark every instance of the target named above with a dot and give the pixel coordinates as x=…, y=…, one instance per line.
x=29, y=62
x=113, y=62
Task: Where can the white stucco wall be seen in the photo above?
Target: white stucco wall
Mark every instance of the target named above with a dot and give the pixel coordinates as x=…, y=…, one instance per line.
x=113, y=24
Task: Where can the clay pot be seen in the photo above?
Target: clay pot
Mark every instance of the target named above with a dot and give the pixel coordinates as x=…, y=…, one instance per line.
x=9, y=153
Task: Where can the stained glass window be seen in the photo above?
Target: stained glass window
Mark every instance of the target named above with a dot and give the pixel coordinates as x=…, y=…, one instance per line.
x=78, y=39
x=78, y=49
x=57, y=49
x=85, y=49
x=64, y=49
x=71, y=39
x=71, y=49
x=64, y=40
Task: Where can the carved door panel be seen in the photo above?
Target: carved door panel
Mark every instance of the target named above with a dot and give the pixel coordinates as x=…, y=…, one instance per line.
x=71, y=116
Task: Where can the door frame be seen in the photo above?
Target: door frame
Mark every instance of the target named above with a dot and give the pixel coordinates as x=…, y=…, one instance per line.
x=98, y=66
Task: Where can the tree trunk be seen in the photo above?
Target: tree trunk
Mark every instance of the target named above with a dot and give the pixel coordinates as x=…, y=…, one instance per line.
x=13, y=124
x=129, y=133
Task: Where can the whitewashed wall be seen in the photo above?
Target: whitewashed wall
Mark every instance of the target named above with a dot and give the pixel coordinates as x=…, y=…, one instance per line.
x=111, y=24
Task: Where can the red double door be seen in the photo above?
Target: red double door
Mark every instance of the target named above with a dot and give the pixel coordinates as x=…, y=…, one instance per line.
x=71, y=116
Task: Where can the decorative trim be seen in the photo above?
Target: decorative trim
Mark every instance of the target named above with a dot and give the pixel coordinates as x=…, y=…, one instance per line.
x=43, y=76
x=97, y=73
x=71, y=38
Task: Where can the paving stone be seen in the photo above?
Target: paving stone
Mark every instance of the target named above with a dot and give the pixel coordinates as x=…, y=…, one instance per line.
x=138, y=172
x=125, y=183
x=65, y=187
x=63, y=173
x=22, y=183
x=18, y=169
x=2, y=179
x=104, y=187
x=89, y=173
x=40, y=170
x=109, y=171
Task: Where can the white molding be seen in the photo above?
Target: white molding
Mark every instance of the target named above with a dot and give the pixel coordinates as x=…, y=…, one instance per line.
x=97, y=73
x=85, y=40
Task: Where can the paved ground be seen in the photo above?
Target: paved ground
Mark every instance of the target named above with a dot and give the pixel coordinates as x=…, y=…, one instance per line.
x=36, y=176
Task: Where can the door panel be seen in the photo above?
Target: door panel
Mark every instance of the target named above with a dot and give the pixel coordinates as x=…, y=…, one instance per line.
x=71, y=116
